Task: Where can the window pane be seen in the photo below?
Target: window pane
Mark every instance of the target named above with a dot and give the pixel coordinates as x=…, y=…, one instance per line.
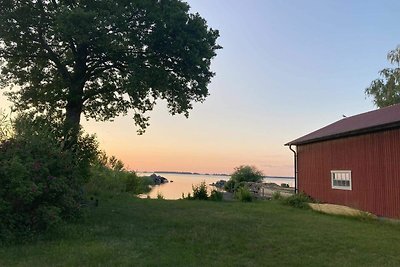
x=341, y=179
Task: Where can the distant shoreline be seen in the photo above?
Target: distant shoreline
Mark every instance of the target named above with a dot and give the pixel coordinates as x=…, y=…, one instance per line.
x=214, y=174
x=191, y=173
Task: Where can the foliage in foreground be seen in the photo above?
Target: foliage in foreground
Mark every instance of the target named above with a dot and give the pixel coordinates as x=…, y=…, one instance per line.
x=243, y=174
x=40, y=181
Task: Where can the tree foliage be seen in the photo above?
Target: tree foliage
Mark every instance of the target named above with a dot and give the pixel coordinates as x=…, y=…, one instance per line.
x=244, y=173
x=103, y=58
x=247, y=173
x=385, y=91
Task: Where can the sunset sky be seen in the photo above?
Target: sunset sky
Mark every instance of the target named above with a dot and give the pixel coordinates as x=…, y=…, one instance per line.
x=286, y=68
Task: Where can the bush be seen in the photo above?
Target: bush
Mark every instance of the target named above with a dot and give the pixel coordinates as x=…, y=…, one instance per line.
x=243, y=194
x=277, y=195
x=300, y=200
x=216, y=195
x=230, y=186
x=108, y=176
x=105, y=180
x=160, y=195
x=200, y=191
x=41, y=182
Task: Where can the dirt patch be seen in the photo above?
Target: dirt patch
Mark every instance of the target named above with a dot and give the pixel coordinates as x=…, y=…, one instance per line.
x=339, y=210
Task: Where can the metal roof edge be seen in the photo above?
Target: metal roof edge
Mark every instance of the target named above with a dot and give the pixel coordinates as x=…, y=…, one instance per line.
x=389, y=126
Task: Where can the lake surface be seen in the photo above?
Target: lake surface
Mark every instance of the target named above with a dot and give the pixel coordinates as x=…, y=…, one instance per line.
x=182, y=183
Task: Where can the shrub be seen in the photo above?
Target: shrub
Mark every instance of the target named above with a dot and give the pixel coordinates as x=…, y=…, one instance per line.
x=200, y=191
x=110, y=181
x=138, y=184
x=160, y=195
x=300, y=200
x=230, y=185
x=243, y=194
x=41, y=182
x=216, y=195
x=277, y=195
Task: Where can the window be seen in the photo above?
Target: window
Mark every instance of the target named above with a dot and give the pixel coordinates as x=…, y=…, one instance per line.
x=341, y=180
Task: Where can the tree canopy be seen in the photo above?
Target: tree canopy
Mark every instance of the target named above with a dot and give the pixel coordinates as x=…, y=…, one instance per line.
x=385, y=91
x=242, y=174
x=103, y=58
x=247, y=173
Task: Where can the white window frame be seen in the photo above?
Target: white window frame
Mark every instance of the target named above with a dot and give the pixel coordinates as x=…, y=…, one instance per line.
x=341, y=175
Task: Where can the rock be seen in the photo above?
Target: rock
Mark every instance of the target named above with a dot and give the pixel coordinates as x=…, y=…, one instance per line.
x=157, y=179
x=219, y=184
x=266, y=190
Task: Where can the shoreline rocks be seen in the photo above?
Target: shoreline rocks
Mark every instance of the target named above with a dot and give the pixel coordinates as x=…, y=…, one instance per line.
x=157, y=179
x=266, y=190
x=219, y=184
x=261, y=190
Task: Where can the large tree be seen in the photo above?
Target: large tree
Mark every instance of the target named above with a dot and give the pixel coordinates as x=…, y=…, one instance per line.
x=103, y=58
x=385, y=91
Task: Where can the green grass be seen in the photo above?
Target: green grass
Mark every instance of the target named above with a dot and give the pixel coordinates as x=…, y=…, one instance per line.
x=132, y=232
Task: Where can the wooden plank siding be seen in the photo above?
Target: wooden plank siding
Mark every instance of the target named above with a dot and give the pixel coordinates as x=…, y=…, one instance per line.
x=374, y=161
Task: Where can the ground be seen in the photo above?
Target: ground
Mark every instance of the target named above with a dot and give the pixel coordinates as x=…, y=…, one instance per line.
x=124, y=231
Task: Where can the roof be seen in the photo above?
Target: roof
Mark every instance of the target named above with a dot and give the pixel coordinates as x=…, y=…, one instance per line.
x=376, y=120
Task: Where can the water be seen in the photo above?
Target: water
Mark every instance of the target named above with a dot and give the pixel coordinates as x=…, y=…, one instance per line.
x=182, y=183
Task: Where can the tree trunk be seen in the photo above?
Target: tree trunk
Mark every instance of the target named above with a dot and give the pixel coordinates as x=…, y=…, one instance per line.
x=73, y=116
x=75, y=99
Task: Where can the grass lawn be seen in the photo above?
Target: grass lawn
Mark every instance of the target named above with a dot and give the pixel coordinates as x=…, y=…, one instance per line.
x=139, y=232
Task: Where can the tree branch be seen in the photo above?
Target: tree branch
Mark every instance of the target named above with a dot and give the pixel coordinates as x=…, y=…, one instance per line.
x=51, y=54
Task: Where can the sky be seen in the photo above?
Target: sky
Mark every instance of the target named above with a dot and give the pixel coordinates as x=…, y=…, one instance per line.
x=286, y=69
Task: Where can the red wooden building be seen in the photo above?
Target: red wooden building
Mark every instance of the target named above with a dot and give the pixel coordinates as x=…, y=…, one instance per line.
x=354, y=162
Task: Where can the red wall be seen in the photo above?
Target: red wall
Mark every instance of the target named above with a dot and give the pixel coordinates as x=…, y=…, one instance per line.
x=374, y=160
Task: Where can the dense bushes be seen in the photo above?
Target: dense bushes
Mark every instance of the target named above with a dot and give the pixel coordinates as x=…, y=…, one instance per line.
x=40, y=181
x=105, y=179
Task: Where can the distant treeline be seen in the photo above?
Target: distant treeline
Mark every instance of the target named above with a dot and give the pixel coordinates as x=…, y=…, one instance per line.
x=279, y=177
x=192, y=173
